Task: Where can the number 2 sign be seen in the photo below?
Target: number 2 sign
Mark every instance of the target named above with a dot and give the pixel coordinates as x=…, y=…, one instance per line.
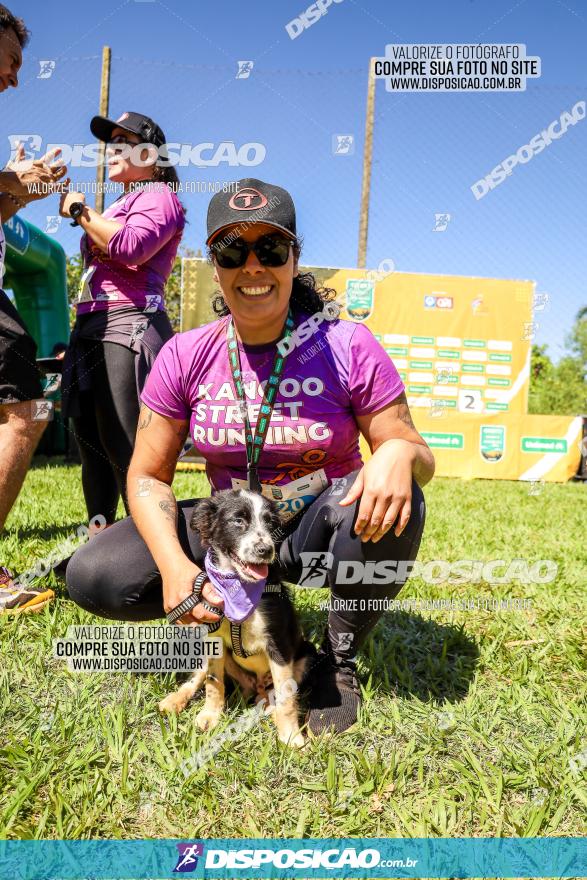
x=470, y=401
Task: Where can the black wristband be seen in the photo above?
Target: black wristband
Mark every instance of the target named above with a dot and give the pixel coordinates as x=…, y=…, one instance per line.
x=76, y=209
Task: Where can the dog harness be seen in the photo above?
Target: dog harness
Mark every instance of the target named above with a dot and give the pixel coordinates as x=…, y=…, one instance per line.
x=196, y=597
x=236, y=636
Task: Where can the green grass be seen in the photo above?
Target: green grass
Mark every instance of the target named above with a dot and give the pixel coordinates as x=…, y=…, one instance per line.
x=462, y=733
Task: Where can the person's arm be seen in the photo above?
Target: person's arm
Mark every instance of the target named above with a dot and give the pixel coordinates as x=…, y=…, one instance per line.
x=149, y=224
x=147, y=227
x=153, y=507
x=393, y=426
x=100, y=230
x=9, y=207
x=384, y=484
x=10, y=183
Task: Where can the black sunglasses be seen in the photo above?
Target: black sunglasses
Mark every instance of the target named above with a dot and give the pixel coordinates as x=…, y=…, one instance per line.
x=271, y=250
x=118, y=140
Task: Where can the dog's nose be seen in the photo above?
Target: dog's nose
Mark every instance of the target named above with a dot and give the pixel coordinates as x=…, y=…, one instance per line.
x=264, y=549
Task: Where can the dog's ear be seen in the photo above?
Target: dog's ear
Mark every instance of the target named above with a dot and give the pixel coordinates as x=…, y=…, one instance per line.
x=203, y=517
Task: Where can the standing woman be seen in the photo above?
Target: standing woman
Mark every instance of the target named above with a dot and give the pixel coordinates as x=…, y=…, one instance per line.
x=128, y=254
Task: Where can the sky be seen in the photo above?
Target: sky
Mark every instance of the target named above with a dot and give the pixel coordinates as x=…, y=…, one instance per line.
x=178, y=61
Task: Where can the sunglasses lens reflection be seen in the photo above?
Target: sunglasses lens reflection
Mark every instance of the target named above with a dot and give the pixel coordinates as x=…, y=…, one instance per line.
x=271, y=251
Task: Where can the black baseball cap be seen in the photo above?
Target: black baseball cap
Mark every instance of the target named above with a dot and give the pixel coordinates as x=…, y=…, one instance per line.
x=143, y=126
x=252, y=201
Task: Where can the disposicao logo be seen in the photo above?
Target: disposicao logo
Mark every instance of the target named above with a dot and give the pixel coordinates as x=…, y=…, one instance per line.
x=331, y=859
x=187, y=860
x=539, y=142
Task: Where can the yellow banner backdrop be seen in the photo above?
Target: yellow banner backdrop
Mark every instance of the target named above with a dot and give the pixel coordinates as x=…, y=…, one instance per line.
x=460, y=344
x=502, y=446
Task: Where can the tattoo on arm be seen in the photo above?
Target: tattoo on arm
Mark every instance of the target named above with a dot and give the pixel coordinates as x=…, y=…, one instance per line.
x=145, y=418
x=403, y=412
x=169, y=509
x=144, y=487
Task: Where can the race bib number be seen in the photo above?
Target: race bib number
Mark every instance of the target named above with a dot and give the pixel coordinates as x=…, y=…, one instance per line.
x=84, y=293
x=85, y=289
x=293, y=496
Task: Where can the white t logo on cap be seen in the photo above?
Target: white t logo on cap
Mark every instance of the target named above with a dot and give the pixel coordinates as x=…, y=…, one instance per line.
x=251, y=199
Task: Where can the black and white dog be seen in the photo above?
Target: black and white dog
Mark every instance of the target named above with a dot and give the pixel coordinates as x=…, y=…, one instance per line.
x=238, y=526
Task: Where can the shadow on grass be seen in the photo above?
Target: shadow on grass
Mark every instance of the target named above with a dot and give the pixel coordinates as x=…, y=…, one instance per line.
x=41, y=462
x=412, y=656
x=47, y=532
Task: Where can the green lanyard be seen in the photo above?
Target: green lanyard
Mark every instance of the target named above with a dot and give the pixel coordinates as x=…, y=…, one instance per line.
x=255, y=443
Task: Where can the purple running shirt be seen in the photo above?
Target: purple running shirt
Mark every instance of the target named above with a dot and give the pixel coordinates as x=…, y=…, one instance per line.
x=340, y=372
x=140, y=255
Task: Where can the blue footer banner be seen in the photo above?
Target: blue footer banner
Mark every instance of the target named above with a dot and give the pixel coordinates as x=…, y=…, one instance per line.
x=256, y=858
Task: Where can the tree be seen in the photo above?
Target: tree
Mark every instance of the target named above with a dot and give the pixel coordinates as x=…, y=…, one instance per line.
x=541, y=365
x=561, y=389
x=73, y=269
x=577, y=339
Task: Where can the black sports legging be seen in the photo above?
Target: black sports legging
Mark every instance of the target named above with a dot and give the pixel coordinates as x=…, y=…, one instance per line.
x=106, y=427
x=115, y=576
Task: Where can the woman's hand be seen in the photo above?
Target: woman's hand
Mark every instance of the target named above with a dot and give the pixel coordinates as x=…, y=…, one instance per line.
x=97, y=227
x=67, y=200
x=177, y=586
x=384, y=486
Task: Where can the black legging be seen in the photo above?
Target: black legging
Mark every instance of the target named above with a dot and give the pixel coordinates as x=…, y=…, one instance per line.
x=106, y=427
x=115, y=576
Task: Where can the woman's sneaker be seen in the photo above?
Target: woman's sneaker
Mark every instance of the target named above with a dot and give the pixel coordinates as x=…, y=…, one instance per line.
x=335, y=695
x=15, y=599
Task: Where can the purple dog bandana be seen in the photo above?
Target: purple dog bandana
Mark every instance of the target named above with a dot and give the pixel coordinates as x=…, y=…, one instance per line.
x=240, y=597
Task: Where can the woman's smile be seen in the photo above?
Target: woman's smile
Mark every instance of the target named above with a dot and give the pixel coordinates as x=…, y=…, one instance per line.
x=256, y=291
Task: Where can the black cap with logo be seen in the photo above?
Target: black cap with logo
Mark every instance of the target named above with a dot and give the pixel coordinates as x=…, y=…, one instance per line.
x=253, y=202
x=143, y=126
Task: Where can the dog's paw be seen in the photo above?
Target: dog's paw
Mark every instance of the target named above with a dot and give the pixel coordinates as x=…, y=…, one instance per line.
x=293, y=740
x=173, y=704
x=206, y=719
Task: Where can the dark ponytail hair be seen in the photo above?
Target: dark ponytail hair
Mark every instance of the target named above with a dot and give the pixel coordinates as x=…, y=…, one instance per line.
x=306, y=294
x=167, y=174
